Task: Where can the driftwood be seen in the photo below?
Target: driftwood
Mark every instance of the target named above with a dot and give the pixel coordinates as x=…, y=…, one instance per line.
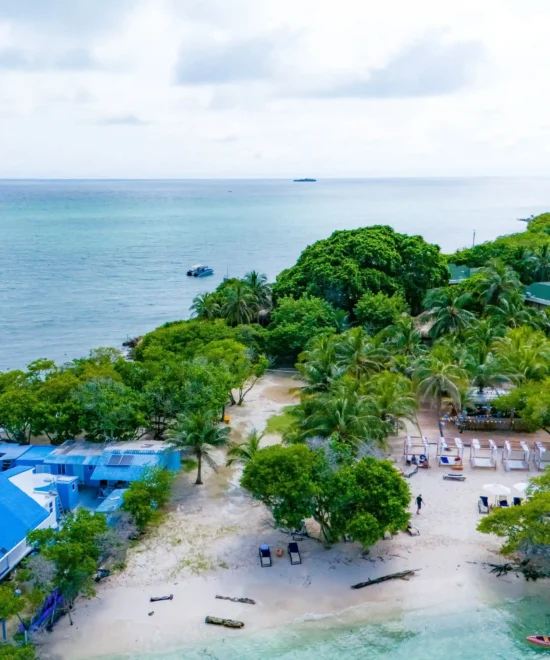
x=228, y=623
x=248, y=601
x=155, y=599
x=403, y=575
x=529, y=572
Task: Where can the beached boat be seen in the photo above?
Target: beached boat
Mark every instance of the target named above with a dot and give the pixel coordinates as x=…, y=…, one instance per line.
x=540, y=640
x=305, y=180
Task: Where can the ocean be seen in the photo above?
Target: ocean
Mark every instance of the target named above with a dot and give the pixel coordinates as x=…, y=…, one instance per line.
x=476, y=633
x=89, y=263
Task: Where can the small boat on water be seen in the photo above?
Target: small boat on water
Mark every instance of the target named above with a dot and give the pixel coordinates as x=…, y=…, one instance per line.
x=200, y=271
x=305, y=180
x=540, y=640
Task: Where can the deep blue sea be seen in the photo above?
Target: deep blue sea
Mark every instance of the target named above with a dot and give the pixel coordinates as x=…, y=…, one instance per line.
x=88, y=263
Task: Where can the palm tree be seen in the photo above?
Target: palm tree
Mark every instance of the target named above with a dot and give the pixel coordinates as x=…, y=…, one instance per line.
x=403, y=337
x=342, y=320
x=487, y=372
x=257, y=283
x=524, y=354
x=319, y=366
x=343, y=415
x=479, y=337
x=436, y=379
x=240, y=305
x=447, y=312
x=359, y=354
x=245, y=452
x=206, y=306
x=394, y=396
x=510, y=312
x=196, y=435
x=497, y=281
x=540, y=263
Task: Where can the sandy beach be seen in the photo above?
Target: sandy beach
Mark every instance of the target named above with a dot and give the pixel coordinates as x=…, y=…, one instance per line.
x=208, y=545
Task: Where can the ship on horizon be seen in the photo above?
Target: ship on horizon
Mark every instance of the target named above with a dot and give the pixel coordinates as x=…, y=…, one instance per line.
x=305, y=180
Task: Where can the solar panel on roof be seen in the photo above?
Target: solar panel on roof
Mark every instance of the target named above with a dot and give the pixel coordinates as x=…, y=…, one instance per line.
x=126, y=460
x=115, y=460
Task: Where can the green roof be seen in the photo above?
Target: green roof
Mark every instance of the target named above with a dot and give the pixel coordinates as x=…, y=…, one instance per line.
x=460, y=273
x=538, y=292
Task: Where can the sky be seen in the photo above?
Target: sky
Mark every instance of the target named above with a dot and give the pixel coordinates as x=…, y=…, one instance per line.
x=273, y=88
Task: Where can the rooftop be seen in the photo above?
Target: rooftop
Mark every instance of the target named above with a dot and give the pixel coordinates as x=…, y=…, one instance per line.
x=9, y=451
x=460, y=273
x=76, y=452
x=113, y=502
x=538, y=292
x=19, y=514
x=126, y=465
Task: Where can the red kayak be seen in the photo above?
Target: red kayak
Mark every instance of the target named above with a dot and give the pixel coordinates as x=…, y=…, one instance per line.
x=539, y=640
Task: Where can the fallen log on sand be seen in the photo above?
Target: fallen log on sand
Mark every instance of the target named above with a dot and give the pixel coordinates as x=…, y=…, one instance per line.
x=228, y=623
x=156, y=599
x=248, y=601
x=403, y=575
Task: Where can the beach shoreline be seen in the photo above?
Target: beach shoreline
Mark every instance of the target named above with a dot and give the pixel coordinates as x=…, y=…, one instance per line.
x=208, y=545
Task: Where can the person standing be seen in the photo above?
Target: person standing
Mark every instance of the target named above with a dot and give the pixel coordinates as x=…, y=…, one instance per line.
x=419, y=502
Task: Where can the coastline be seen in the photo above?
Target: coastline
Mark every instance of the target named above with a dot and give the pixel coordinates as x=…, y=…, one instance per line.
x=208, y=545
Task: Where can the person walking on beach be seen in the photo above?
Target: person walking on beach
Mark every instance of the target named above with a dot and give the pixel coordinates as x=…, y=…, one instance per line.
x=419, y=502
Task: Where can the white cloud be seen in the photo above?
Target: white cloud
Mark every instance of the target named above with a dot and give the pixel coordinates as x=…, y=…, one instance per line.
x=183, y=88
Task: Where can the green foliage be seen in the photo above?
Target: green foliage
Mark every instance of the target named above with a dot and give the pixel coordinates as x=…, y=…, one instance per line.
x=530, y=402
x=295, y=322
x=145, y=497
x=367, y=499
x=281, y=423
x=447, y=312
x=359, y=355
x=282, y=478
x=376, y=311
x=10, y=604
x=196, y=435
x=109, y=410
x=74, y=550
x=361, y=499
x=342, y=268
x=244, y=452
x=12, y=652
x=540, y=224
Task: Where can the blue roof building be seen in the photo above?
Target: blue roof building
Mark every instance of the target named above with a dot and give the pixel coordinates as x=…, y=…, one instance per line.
x=117, y=463
x=13, y=454
x=20, y=513
x=110, y=506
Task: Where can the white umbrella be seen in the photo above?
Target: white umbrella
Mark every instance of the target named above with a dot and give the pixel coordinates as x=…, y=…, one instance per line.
x=497, y=489
x=521, y=487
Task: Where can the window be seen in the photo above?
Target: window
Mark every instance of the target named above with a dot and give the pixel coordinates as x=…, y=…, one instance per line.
x=51, y=507
x=61, y=469
x=73, y=486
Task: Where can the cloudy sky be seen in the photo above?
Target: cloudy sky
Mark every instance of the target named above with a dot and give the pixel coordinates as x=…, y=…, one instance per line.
x=274, y=88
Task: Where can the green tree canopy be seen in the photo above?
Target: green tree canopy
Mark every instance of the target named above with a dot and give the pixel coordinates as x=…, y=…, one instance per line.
x=146, y=496
x=376, y=311
x=342, y=268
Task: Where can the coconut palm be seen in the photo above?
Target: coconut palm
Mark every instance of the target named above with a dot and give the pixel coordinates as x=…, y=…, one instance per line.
x=196, y=435
x=510, y=312
x=240, y=306
x=436, y=379
x=524, y=354
x=403, y=337
x=206, y=306
x=319, y=365
x=257, y=283
x=447, y=312
x=359, y=355
x=479, y=337
x=346, y=416
x=540, y=263
x=394, y=395
x=488, y=372
x=244, y=452
x=496, y=282
x=342, y=320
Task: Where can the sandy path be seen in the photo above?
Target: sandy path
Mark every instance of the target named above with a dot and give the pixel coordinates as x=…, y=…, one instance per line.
x=209, y=542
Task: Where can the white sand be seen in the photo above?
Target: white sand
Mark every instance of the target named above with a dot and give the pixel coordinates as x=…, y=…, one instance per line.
x=209, y=544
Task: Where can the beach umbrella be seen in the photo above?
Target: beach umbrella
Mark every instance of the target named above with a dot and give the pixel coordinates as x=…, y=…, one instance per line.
x=497, y=489
x=521, y=487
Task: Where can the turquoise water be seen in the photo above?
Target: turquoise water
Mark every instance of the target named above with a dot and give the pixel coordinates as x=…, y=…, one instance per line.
x=483, y=633
x=89, y=263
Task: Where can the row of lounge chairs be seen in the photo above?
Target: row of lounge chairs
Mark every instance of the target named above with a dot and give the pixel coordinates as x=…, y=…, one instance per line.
x=483, y=503
x=293, y=554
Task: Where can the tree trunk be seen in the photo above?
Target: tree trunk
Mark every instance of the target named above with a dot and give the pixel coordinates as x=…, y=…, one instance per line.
x=439, y=416
x=198, y=482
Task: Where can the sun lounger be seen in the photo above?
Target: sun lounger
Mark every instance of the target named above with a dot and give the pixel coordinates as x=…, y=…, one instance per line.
x=265, y=556
x=444, y=460
x=410, y=471
x=294, y=554
x=517, y=501
x=454, y=477
x=483, y=504
x=503, y=503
